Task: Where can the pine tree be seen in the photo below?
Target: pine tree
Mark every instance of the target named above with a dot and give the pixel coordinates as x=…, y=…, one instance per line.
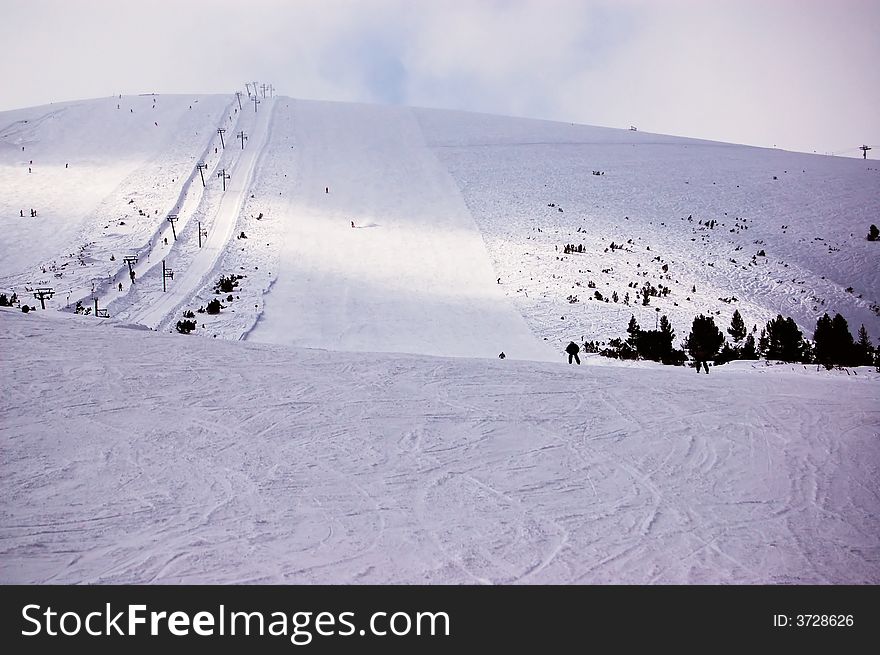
x=633, y=331
x=748, y=350
x=737, y=329
x=864, y=348
x=822, y=337
x=666, y=329
x=763, y=344
x=705, y=339
x=784, y=340
x=844, y=350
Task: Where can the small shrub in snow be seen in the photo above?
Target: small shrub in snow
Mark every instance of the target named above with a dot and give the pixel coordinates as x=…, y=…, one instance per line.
x=214, y=307
x=186, y=326
x=226, y=283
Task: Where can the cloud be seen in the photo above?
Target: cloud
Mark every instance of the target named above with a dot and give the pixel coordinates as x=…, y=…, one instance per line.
x=796, y=74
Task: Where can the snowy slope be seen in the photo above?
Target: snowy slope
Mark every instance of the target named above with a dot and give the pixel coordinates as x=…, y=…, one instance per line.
x=135, y=457
x=808, y=213
x=325, y=455
x=101, y=181
x=445, y=203
x=412, y=276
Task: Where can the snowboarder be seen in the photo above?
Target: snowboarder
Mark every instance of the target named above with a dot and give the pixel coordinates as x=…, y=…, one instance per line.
x=166, y=241
x=326, y=189
x=352, y=223
x=21, y=213
x=572, y=349
x=120, y=286
x=502, y=355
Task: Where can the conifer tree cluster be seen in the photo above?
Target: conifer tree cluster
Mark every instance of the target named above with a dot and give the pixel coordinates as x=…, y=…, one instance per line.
x=780, y=340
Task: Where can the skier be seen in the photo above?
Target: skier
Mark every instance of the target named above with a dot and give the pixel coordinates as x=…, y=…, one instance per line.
x=572, y=349
x=131, y=275
x=21, y=213
x=502, y=355
x=120, y=286
x=352, y=223
x=701, y=363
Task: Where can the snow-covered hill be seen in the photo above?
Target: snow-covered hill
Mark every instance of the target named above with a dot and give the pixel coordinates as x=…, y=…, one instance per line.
x=461, y=220
x=130, y=456
x=319, y=451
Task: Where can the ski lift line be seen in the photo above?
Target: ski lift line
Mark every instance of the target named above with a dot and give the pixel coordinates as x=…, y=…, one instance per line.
x=841, y=152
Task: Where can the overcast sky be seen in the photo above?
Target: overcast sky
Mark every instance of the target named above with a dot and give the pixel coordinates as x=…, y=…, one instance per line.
x=798, y=74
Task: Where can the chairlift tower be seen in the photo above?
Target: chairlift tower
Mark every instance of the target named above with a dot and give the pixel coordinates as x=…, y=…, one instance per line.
x=42, y=294
x=131, y=260
x=224, y=176
x=202, y=166
x=173, y=218
x=167, y=273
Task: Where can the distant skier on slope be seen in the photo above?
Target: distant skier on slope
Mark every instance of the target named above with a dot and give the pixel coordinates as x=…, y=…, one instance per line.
x=573, y=349
x=352, y=223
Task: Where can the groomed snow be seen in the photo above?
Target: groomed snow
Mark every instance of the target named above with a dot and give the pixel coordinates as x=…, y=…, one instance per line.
x=412, y=275
x=135, y=457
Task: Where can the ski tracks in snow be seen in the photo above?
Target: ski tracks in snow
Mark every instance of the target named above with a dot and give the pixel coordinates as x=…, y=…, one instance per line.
x=308, y=466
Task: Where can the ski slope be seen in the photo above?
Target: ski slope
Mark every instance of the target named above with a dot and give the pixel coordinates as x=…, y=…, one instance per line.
x=461, y=220
x=351, y=422
x=135, y=457
x=413, y=274
x=102, y=181
x=203, y=261
x=808, y=214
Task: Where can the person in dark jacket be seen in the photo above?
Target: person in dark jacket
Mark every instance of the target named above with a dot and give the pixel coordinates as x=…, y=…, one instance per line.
x=572, y=349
